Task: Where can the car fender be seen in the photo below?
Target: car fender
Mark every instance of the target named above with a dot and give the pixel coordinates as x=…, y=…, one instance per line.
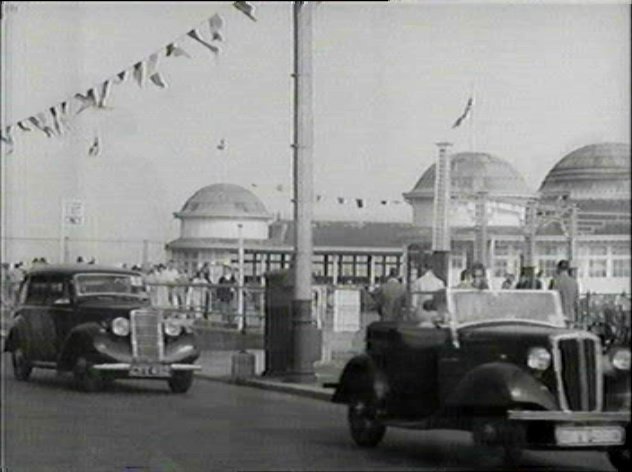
x=360, y=376
x=80, y=340
x=13, y=336
x=500, y=385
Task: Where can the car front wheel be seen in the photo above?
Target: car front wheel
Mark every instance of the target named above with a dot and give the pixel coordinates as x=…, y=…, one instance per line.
x=22, y=368
x=180, y=382
x=366, y=429
x=86, y=378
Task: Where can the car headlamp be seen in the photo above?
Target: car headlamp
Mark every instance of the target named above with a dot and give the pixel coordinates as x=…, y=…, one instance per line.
x=120, y=326
x=539, y=358
x=172, y=328
x=621, y=359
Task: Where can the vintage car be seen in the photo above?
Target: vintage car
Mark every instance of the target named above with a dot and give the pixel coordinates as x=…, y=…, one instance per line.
x=500, y=364
x=97, y=323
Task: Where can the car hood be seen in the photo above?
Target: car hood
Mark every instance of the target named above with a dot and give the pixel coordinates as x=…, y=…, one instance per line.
x=108, y=309
x=510, y=332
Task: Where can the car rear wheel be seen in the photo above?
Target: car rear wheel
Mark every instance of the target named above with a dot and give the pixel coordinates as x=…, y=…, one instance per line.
x=180, y=382
x=86, y=378
x=366, y=429
x=22, y=367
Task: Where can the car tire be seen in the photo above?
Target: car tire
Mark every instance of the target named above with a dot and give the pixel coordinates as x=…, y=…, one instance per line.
x=180, y=382
x=22, y=367
x=86, y=378
x=366, y=429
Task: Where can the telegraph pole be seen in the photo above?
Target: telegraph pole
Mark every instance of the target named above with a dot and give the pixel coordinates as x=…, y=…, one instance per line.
x=303, y=329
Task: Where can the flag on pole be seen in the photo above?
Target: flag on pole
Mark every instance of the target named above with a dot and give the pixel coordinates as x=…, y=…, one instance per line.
x=195, y=35
x=465, y=113
x=246, y=8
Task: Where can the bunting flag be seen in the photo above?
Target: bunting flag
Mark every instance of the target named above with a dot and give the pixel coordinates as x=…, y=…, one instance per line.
x=222, y=144
x=319, y=198
x=174, y=50
x=95, y=149
x=86, y=100
x=216, y=23
x=279, y=188
x=7, y=138
x=139, y=73
x=360, y=202
x=60, y=115
x=195, y=35
x=465, y=113
x=246, y=8
x=341, y=200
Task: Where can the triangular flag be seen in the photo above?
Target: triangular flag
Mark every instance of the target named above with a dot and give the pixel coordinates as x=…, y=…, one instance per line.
x=23, y=126
x=56, y=120
x=247, y=8
x=383, y=202
x=157, y=79
x=95, y=149
x=152, y=64
x=121, y=77
x=139, y=73
x=104, y=93
x=176, y=51
x=195, y=35
x=41, y=123
x=360, y=202
x=215, y=24
x=87, y=100
x=341, y=200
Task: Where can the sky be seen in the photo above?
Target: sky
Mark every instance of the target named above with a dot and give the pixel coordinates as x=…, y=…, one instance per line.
x=390, y=79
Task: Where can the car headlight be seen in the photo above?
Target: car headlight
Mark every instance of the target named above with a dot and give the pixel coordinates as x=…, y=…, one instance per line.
x=172, y=328
x=120, y=326
x=621, y=359
x=539, y=358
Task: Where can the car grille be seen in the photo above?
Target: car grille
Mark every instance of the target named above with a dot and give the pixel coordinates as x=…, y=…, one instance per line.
x=578, y=371
x=147, y=341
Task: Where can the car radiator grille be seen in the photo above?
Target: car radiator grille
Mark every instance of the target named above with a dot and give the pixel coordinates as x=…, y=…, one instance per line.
x=147, y=341
x=578, y=373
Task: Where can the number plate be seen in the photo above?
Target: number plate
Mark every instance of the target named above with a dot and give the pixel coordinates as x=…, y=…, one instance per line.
x=150, y=370
x=589, y=435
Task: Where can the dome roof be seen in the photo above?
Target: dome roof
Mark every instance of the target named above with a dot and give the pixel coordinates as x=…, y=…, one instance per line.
x=598, y=170
x=473, y=172
x=224, y=201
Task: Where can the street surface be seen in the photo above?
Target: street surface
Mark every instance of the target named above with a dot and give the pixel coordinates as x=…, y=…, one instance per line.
x=140, y=426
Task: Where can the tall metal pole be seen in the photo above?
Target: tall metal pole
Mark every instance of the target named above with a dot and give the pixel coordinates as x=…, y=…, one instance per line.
x=303, y=329
x=441, y=215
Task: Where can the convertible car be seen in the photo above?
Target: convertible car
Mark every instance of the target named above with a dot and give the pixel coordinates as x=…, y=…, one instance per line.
x=96, y=322
x=501, y=364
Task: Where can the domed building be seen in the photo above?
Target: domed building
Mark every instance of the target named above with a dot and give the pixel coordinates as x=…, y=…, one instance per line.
x=596, y=179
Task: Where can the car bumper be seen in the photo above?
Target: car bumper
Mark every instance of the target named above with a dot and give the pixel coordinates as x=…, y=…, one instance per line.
x=571, y=416
x=121, y=366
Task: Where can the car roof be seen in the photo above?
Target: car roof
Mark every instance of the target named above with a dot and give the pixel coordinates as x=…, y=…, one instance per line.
x=72, y=269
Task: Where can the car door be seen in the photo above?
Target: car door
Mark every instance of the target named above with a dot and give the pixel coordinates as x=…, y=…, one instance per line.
x=61, y=308
x=38, y=334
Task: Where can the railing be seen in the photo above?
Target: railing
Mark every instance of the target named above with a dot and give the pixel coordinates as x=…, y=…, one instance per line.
x=607, y=315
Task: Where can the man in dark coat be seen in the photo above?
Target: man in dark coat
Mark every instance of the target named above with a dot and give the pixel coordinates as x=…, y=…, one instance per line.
x=568, y=288
x=390, y=298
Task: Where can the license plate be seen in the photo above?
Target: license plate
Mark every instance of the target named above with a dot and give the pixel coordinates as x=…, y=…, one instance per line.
x=589, y=435
x=150, y=370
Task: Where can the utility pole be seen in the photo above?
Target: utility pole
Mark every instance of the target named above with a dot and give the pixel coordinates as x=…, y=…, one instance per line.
x=303, y=329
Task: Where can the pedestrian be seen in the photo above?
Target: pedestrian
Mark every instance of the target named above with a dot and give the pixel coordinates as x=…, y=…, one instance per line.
x=465, y=279
x=568, y=290
x=527, y=280
x=390, y=298
x=422, y=290
x=196, y=294
x=479, y=276
x=508, y=283
x=226, y=294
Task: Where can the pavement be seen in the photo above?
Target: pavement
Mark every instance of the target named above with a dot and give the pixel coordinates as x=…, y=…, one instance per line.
x=218, y=366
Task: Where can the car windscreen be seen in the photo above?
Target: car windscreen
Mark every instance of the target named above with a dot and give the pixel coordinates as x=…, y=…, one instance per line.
x=469, y=306
x=109, y=284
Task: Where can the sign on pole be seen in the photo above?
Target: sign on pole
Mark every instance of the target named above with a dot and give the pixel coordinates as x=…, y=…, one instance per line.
x=73, y=212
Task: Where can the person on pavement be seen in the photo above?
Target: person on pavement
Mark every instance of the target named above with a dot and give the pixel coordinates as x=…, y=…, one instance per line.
x=568, y=289
x=390, y=298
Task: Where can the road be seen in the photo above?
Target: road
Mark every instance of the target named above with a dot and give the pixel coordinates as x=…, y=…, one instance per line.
x=140, y=427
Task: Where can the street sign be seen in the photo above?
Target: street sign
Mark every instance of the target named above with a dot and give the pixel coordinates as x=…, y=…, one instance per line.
x=73, y=212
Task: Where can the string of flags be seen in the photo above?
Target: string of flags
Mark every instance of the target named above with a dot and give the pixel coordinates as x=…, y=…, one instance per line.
x=340, y=200
x=57, y=119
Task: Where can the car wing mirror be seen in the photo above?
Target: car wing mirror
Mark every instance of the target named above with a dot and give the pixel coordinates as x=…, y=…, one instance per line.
x=62, y=301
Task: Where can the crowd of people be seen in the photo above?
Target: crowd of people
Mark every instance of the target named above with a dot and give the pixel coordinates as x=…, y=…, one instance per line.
x=391, y=296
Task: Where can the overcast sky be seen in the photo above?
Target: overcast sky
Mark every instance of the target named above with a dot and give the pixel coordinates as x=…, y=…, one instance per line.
x=389, y=81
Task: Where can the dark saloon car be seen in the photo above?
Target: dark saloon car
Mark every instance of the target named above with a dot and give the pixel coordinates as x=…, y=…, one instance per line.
x=501, y=364
x=96, y=322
